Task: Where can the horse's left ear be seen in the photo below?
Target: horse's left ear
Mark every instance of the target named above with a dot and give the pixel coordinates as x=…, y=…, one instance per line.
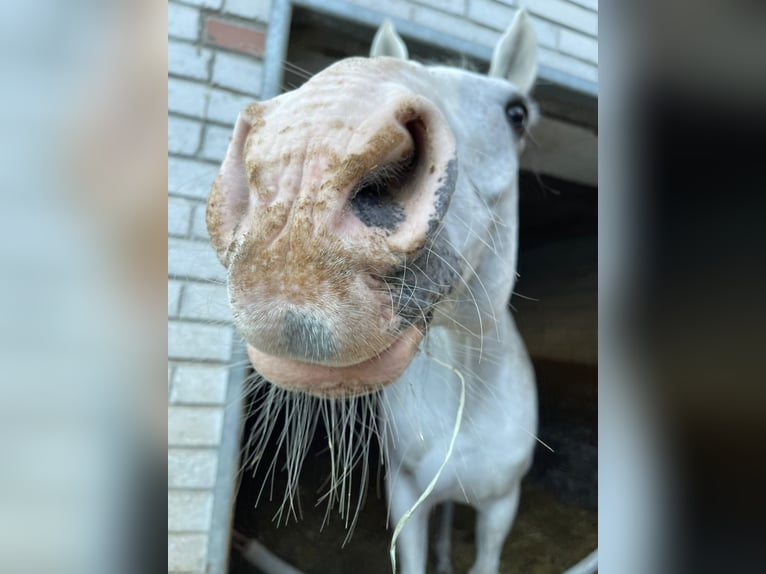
x=388, y=43
x=515, y=55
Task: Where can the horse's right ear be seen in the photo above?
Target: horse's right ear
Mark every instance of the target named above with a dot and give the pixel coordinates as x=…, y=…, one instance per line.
x=388, y=43
x=515, y=55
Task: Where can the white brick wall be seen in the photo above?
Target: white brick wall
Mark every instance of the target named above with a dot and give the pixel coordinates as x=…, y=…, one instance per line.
x=179, y=215
x=457, y=26
x=199, y=227
x=189, y=511
x=183, y=21
x=174, y=298
x=216, y=142
x=251, y=9
x=566, y=14
x=453, y=6
x=225, y=106
x=205, y=302
x=188, y=61
x=561, y=61
x=187, y=552
x=547, y=32
x=190, y=178
x=192, y=468
x=184, y=135
x=592, y=4
x=195, y=341
x=200, y=335
x=200, y=384
x=185, y=97
x=565, y=28
x=214, y=4
x=194, y=426
x=188, y=259
x=238, y=73
x=490, y=13
x=579, y=45
x=396, y=8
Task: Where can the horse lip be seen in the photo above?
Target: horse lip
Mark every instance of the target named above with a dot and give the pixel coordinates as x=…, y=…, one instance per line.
x=358, y=379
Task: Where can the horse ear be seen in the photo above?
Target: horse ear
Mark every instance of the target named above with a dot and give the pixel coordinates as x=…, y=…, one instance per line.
x=515, y=55
x=388, y=43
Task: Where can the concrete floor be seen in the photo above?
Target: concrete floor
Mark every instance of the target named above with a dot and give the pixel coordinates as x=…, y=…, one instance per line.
x=556, y=524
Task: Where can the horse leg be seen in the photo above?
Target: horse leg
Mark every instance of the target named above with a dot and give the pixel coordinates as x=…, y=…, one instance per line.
x=493, y=522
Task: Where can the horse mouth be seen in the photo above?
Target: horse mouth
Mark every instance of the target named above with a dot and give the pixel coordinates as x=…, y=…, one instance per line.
x=327, y=381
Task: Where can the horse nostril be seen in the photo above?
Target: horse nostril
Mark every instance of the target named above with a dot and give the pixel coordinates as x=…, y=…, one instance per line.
x=418, y=131
x=375, y=206
x=380, y=197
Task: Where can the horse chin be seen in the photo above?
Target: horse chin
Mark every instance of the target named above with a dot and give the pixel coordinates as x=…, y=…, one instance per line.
x=337, y=382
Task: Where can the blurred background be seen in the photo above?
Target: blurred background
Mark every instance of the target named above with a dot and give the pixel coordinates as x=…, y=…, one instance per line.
x=82, y=423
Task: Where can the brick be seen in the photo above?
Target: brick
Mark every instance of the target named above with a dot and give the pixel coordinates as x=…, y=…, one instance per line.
x=189, y=511
x=491, y=14
x=188, y=61
x=454, y=26
x=215, y=143
x=187, y=552
x=195, y=260
x=174, y=298
x=590, y=4
x=453, y=6
x=239, y=73
x=567, y=64
x=235, y=36
x=396, y=8
x=200, y=384
x=183, y=135
x=203, y=301
x=250, y=9
x=190, y=178
x=199, y=226
x=179, y=216
x=547, y=33
x=565, y=13
x=194, y=426
x=197, y=341
x=214, y=4
x=183, y=21
x=189, y=468
x=224, y=106
x=187, y=97
x=575, y=44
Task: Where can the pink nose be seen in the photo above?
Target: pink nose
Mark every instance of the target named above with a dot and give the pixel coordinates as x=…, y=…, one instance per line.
x=390, y=171
x=316, y=221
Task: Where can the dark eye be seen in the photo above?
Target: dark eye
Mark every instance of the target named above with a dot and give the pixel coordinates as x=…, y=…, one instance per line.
x=517, y=117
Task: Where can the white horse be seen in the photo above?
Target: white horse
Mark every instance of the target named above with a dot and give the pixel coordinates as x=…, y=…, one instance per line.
x=369, y=224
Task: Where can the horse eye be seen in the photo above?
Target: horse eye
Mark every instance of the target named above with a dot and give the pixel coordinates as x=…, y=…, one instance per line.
x=517, y=116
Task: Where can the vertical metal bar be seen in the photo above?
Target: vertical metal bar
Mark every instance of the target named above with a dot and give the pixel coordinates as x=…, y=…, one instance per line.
x=228, y=464
x=277, y=37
